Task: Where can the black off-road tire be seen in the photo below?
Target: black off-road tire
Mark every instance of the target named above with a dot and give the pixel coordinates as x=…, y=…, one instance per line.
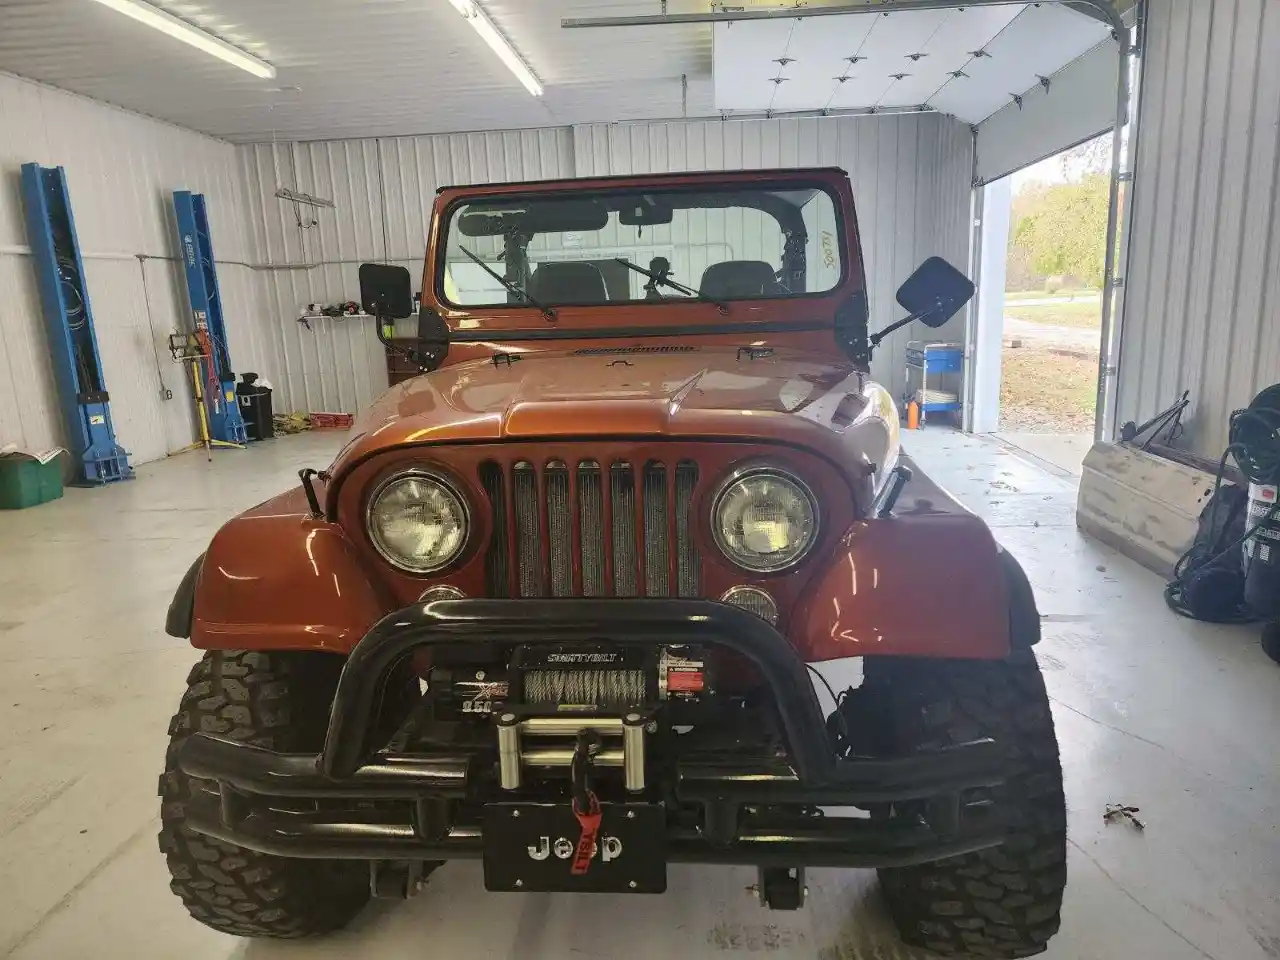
x=1004, y=902
x=1271, y=640
x=279, y=701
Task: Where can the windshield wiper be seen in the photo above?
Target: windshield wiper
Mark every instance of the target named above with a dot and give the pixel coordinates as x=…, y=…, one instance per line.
x=512, y=287
x=662, y=280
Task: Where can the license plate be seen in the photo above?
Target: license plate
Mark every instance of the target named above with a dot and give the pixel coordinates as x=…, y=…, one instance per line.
x=529, y=847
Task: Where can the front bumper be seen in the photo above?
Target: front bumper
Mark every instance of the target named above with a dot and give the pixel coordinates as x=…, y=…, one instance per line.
x=371, y=804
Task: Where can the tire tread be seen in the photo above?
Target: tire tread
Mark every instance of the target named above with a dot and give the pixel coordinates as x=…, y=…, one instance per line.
x=277, y=701
x=1004, y=902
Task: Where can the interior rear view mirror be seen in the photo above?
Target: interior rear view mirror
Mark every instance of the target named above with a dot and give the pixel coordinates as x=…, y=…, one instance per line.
x=488, y=223
x=646, y=212
x=935, y=292
x=386, y=291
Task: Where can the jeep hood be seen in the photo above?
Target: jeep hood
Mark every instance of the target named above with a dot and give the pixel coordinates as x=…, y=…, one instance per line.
x=677, y=392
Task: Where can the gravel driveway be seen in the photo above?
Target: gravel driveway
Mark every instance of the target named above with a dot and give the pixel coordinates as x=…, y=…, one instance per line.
x=1044, y=336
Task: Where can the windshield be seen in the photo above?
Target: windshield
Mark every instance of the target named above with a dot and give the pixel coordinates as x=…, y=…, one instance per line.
x=636, y=245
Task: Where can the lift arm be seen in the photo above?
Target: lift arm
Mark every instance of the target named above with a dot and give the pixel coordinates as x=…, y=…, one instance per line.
x=225, y=423
x=73, y=346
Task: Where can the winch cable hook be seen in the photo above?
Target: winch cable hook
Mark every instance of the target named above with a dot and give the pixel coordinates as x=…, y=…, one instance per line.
x=586, y=806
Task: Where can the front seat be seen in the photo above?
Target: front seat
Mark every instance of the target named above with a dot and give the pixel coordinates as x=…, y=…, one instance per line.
x=739, y=278
x=568, y=283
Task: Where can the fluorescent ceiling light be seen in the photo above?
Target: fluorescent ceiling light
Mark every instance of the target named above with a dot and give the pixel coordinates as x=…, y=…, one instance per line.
x=179, y=29
x=499, y=44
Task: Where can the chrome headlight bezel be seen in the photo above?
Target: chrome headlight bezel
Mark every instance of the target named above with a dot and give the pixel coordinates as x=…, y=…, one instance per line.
x=786, y=476
x=450, y=487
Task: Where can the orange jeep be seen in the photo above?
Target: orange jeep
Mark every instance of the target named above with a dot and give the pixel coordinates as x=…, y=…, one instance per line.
x=557, y=602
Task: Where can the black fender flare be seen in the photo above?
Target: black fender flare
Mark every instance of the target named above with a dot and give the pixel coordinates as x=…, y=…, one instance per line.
x=1024, y=617
x=182, y=608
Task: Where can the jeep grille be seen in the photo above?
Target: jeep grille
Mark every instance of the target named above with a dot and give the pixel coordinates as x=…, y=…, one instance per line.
x=580, y=528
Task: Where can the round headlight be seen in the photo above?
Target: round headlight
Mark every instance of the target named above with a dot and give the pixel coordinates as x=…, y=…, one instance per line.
x=765, y=520
x=418, y=521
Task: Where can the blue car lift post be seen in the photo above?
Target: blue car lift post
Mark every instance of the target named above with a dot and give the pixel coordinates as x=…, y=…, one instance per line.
x=225, y=426
x=73, y=346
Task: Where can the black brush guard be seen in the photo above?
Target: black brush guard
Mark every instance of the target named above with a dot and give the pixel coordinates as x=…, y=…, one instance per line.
x=736, y=826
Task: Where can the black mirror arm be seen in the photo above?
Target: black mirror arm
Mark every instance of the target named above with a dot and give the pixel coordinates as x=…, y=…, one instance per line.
x=875, y=338
x=380, y=324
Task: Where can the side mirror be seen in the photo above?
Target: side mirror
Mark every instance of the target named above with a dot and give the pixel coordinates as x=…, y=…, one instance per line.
x=386, y=291
x=933, y=295
x=935, y=292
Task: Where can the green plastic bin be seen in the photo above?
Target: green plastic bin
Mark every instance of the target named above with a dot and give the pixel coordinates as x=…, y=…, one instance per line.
x=25, y=482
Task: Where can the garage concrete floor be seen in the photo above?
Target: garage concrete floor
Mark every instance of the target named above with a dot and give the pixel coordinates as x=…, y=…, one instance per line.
x=1175, y=717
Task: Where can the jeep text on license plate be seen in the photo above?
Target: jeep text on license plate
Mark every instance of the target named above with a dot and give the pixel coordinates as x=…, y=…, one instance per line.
x=530, y=846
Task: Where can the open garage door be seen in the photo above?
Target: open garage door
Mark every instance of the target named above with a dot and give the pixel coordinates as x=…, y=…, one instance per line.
x=1073, y=105
x=969, y=61
x=1033, y=79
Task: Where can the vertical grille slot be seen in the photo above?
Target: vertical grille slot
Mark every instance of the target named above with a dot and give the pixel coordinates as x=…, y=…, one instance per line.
x=580, y=527
x=657, y=540
x=558, y=529
x=528, y=548
x=622, y=494
x=591, y=523
x=687, y=567
x=497, y=563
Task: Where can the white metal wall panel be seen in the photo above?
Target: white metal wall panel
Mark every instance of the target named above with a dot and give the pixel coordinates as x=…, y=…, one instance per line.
x=911, y=177
x=337, y=365
x=415, y=167
x=383, y=191
x=121, y=171
x=128, y=360
x=1202, y=301
x=1079, y=104
x=28, y=401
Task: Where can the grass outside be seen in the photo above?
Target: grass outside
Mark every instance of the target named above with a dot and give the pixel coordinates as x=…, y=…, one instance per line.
x=1086, y=315
x=1056, y=294
x=1048, y=391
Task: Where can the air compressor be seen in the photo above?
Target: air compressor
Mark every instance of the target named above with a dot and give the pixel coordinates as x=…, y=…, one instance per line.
x=1255, y=443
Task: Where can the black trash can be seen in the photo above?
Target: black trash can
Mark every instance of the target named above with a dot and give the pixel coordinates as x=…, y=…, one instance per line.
x=255, y=407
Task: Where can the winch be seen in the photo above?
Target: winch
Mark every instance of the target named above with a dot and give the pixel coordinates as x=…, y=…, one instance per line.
x=547, y=697
x=578, y=678
x=573, y=678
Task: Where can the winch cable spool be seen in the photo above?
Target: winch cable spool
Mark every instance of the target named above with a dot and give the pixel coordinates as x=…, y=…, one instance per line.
x=599, y=687
x=1255, y=447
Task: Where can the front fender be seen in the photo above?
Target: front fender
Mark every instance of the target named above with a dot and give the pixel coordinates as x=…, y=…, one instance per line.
x=276, y=578
x=929, y=581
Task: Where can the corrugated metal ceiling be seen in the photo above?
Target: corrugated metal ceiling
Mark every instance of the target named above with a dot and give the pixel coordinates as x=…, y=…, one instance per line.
x=372, y=68
x=381, y=67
